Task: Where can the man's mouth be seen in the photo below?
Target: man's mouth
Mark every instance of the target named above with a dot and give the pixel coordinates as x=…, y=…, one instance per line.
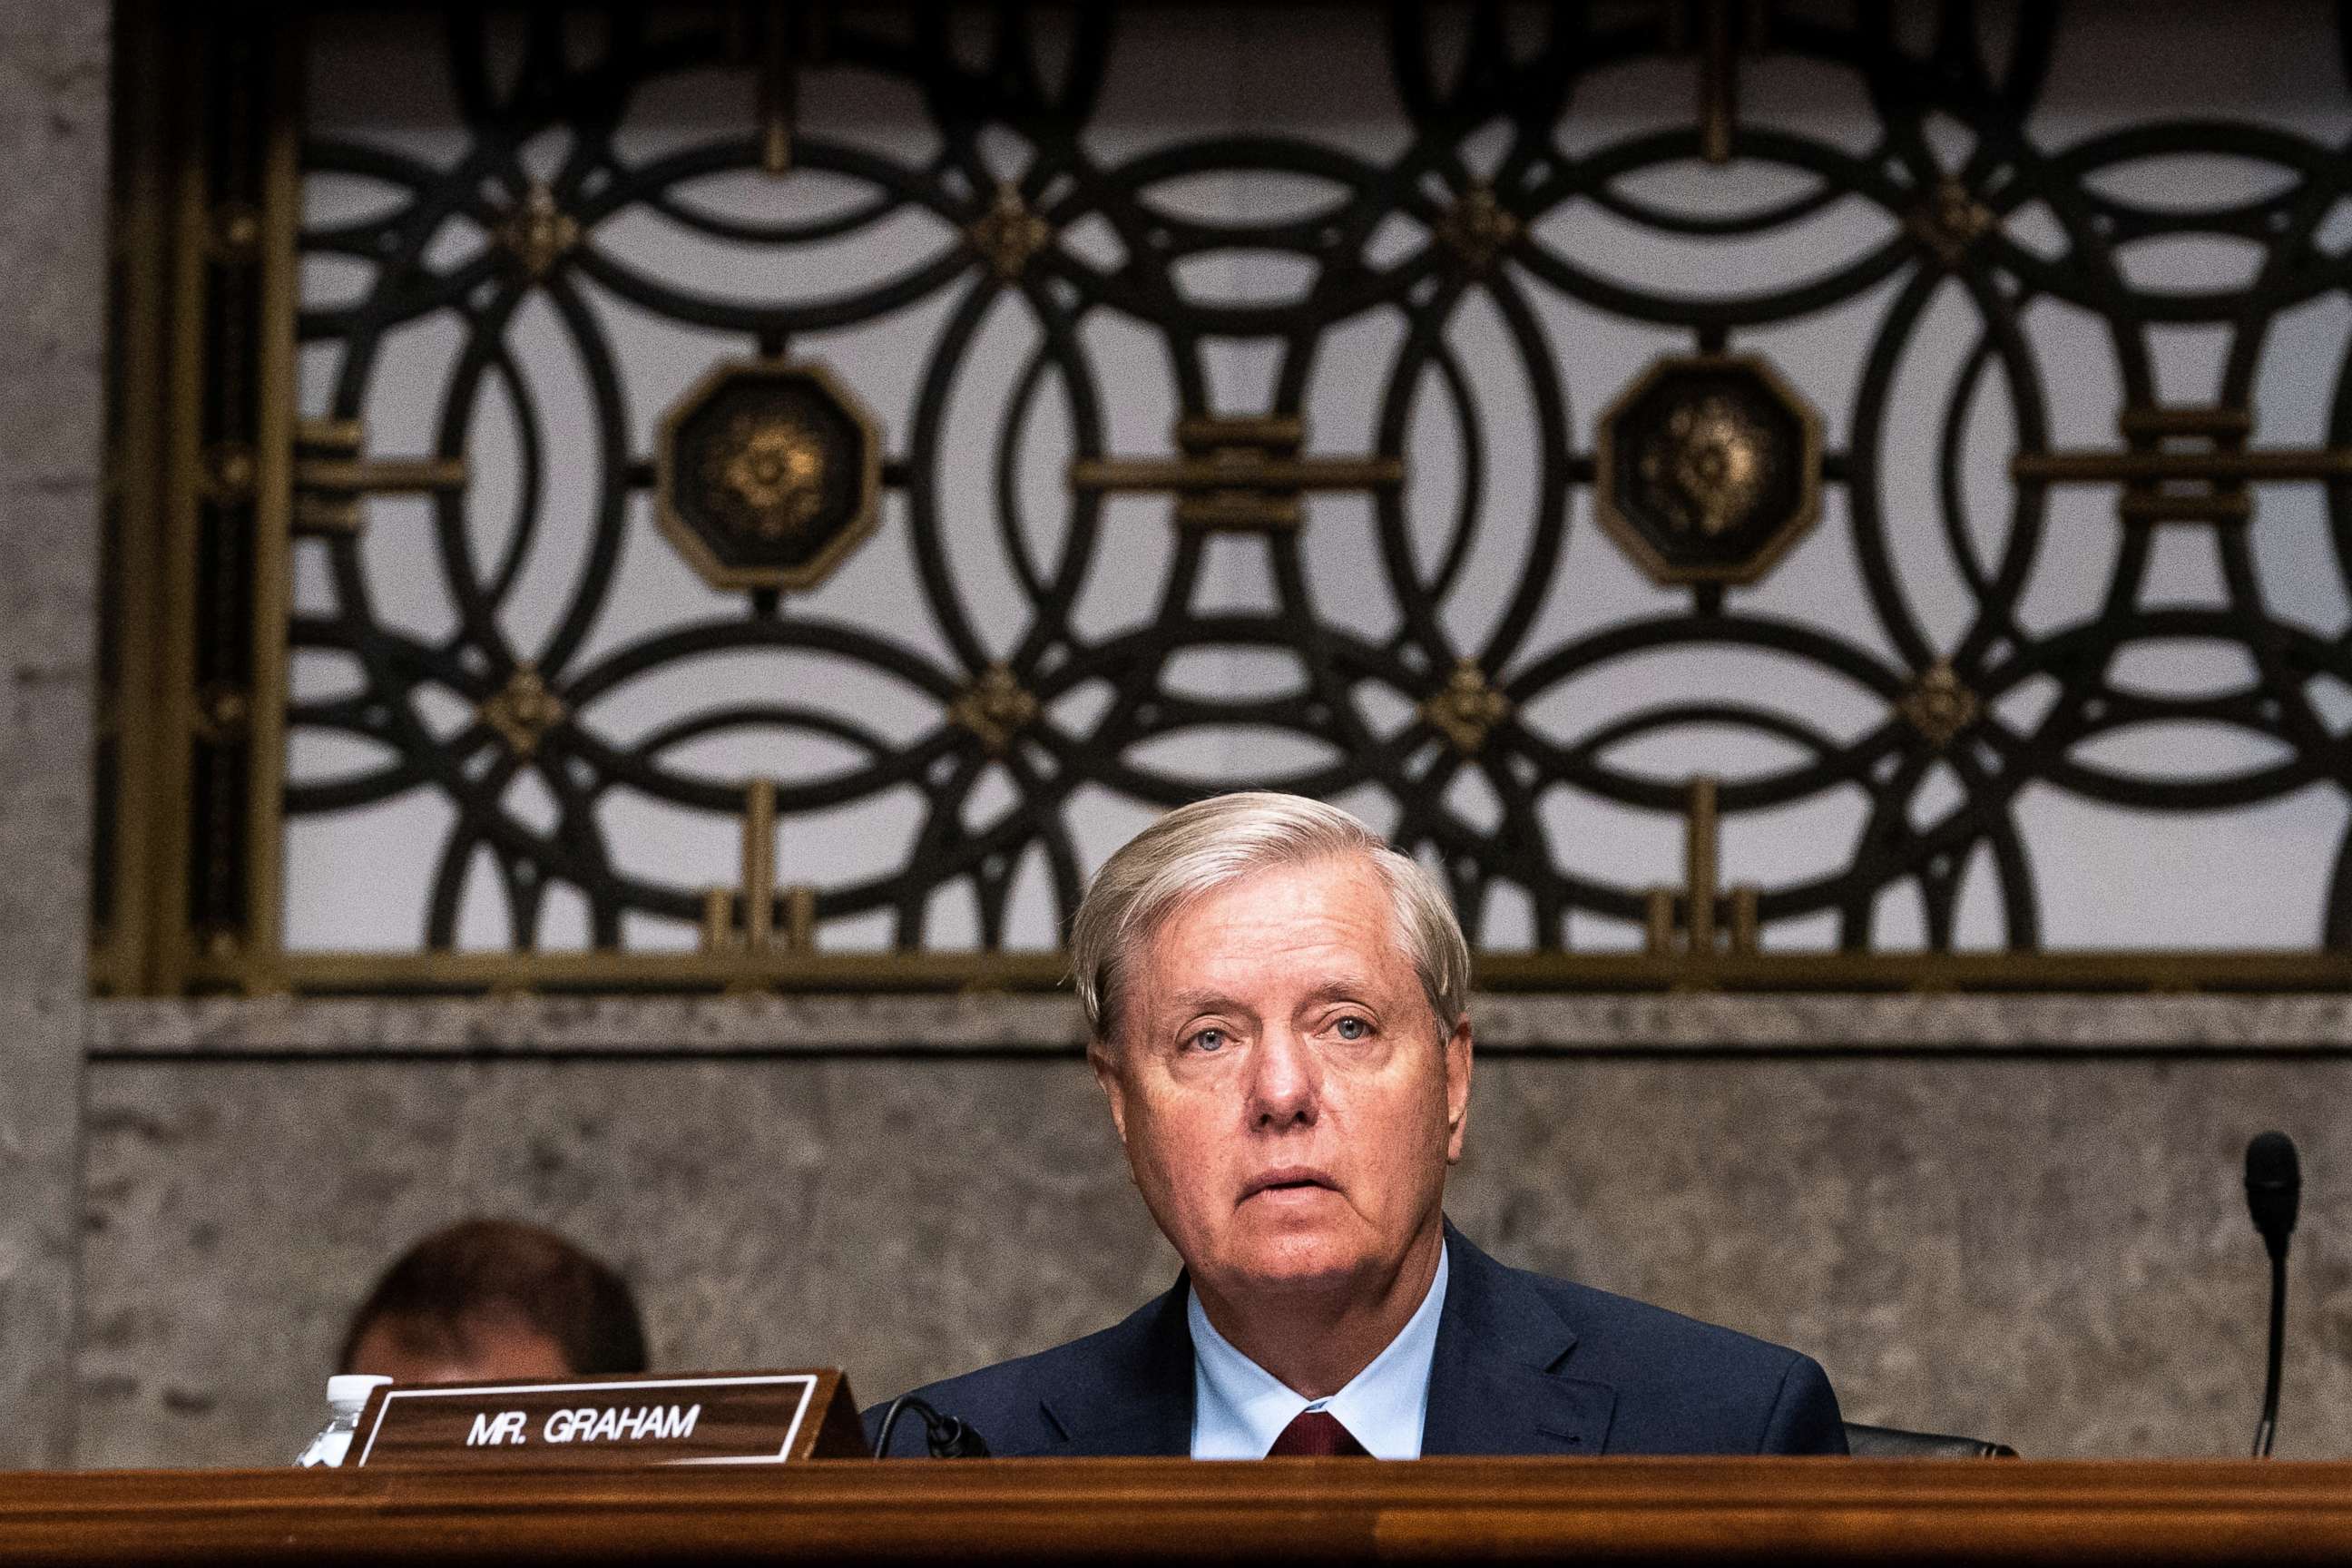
x=1288, y=1179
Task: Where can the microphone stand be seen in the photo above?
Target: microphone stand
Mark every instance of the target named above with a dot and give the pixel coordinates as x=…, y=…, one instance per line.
x=2273, y=1193
x=2267, y=1428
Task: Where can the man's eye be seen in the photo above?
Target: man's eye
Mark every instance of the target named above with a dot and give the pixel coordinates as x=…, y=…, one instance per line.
x=1209, y=1040
x=1351, y=1028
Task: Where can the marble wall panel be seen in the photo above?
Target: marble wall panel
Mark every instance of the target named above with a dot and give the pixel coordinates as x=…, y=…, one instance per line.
x=897, y=1219
x=2050, y=1252
x=1001, y=1023
x=53, y=142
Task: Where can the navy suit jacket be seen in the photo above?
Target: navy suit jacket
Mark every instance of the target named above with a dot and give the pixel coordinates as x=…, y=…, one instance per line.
x=1523, y=1365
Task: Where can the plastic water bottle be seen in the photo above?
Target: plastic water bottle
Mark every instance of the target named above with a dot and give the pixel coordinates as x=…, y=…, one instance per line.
x=347, y=1393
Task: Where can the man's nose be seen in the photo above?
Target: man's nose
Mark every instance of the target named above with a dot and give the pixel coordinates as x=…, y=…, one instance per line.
x=1286, y=1085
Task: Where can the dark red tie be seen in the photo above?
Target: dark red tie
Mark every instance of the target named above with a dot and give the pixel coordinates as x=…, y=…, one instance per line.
x=1317, y=1434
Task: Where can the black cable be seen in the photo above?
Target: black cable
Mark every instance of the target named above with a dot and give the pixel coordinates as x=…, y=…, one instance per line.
x=890, y=1419
x=2268, y=1428
x=947, y=1437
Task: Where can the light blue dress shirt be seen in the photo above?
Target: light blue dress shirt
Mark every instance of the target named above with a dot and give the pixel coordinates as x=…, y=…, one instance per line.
x=1239, y=1408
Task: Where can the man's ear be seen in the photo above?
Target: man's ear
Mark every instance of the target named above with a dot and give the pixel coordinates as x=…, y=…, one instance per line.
x=1457, y=1089
x=1102, y=1056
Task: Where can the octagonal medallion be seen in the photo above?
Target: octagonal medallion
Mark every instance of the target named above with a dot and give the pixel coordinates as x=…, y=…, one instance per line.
x=767, y=473
x=1707, y=468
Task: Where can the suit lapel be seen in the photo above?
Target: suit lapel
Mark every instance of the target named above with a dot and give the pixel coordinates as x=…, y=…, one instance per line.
x=1495, y=1386
x=1136, y=1399
x=1495, y=1383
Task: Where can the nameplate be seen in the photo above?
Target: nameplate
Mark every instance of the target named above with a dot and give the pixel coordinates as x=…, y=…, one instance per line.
x=705, y=1418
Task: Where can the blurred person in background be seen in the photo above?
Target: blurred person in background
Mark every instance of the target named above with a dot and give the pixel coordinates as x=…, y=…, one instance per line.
x=490, y=1301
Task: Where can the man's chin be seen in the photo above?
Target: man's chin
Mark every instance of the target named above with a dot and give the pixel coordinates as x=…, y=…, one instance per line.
x=1297, y=1260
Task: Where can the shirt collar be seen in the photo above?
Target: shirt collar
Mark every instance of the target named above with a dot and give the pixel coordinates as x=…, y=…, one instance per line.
x=1239, y=1408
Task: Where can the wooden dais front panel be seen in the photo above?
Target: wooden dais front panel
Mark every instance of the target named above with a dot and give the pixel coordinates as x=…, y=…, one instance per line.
x=1618, y=1511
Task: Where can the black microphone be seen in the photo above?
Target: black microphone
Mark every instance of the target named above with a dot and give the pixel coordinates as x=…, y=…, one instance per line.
x=947, y=1437
x=2273, y=1193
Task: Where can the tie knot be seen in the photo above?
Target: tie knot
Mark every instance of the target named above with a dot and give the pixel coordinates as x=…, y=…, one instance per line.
x=1315, y=1435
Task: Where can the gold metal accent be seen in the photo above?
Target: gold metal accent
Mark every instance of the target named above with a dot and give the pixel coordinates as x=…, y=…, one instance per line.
x=329, y=437
x=2086, y=971
x=763, y=478
x=523, y=711
x=1710, y=468
x=757, y=940
x=332, y=478
x=134, y=570
x=718, y=919
x=779, y=91
x=201, y=227
x=1658, y=921
x=169, y=958
x=2206, y=482
x=777, y=38
x=1238, y=474
x=1702, y=837
x=1718, y=82
x=222, y=712
x=800, y=917
x=272, y=565
x=1939, y=705
x=758, y=863
x=1467, y=708
x=1704, y=468
x=1718, y=74
x=1747, y=918
x=995, y=707
x=538, y=234
x=1009, y=233
x=2126, y=971
x=1478, y=228
x=2269, y=463
x=1949, y=220
x=230, y=471
x=2227, y=425
x=772, y=465
x=236, y=232
x=1699, y=844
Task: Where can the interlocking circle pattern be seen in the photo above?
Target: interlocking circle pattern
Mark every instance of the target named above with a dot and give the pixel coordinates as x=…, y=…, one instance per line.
x=1967, y=218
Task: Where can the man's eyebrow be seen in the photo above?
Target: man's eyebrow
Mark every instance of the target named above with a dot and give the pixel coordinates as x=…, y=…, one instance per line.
x=1204, y=1001
x=1347, y=988
x=1188, y=1002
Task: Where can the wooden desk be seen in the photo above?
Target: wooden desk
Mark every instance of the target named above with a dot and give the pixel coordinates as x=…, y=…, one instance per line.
x=1642, y=1511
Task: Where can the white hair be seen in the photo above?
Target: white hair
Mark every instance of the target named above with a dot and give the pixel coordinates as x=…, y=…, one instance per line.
x=1200, y=847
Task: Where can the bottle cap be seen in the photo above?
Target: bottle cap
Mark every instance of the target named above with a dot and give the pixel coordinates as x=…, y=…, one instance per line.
x=352, y=1388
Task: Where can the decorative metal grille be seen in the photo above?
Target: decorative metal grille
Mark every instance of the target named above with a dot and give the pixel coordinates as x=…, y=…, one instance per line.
x=1415, y=677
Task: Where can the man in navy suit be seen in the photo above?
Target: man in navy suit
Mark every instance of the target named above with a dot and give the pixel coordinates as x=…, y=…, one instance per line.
x=1277, y=1005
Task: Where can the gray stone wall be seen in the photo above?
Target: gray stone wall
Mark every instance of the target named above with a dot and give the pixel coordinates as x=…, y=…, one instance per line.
x=53, y=145
x=2049, y=1251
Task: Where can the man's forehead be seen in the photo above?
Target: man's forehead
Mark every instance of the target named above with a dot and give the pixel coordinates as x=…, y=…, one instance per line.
x=1327, y=921
x=1339, y=889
